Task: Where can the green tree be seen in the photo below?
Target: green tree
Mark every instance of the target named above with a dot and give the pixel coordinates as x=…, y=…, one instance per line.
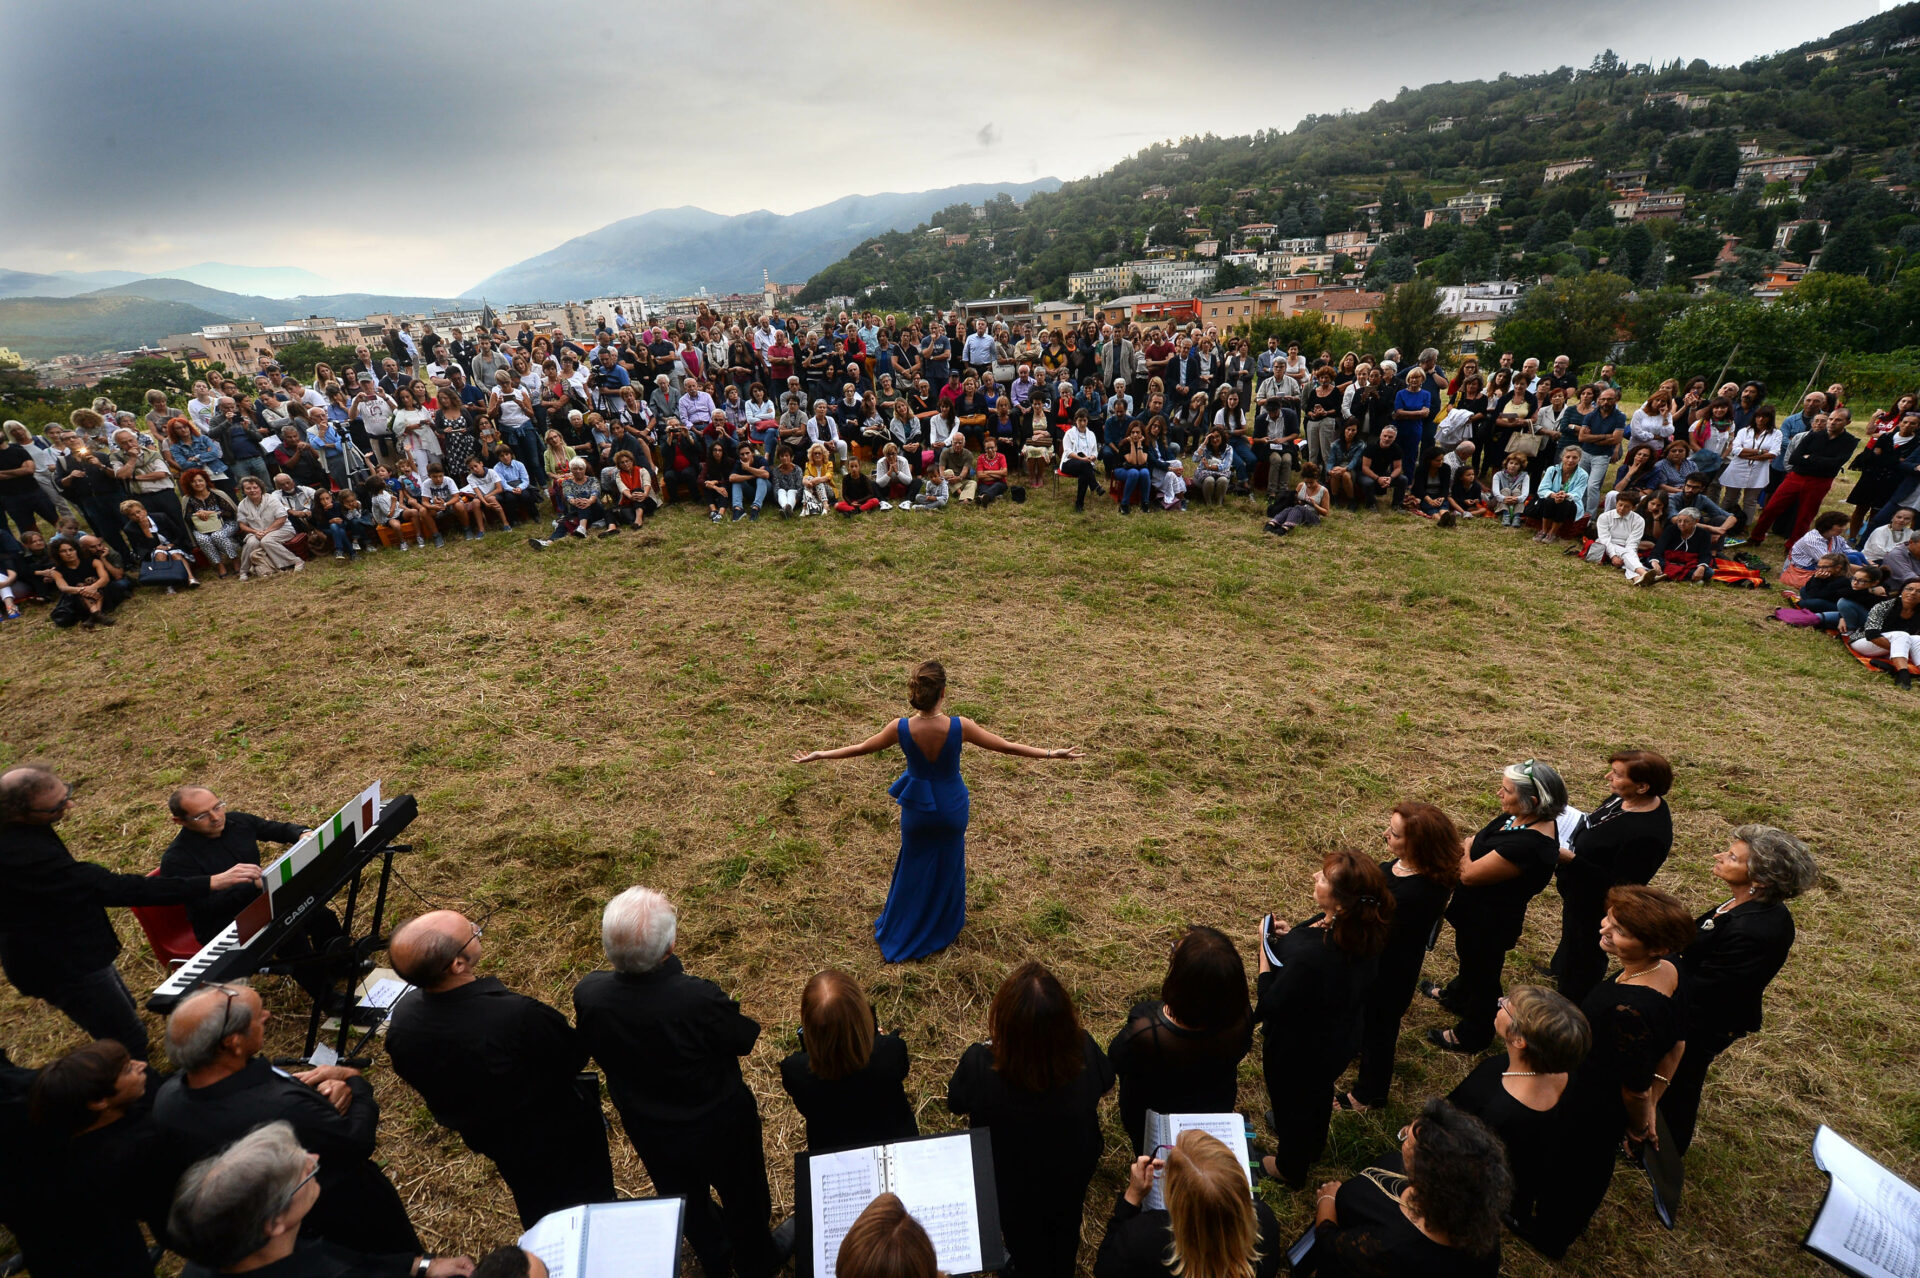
x=298, y=358
x=1777, y=344
x=1410, y=318
x=1716, y=166
x=1850, y=251
x=1231, y=276
x=1636, y=246
x=1804, y=242
x=142, y=375
x=1585, y=315
x=1312, y=329
x=1693, y=249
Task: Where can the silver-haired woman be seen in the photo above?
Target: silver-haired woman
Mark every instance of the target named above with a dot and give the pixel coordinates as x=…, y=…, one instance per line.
x=1738, y=947
x=1508, y=862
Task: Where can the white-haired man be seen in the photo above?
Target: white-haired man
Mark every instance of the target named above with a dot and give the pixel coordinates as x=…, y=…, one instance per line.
x=670, y=1045
x=240, y=1212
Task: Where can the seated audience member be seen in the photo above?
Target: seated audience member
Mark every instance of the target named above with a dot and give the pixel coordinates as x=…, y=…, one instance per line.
x=787, y=478
x=1509, y=861
x=1559, y=498
x=213, y=519
x=1427, y=489
x=628, y=489
x=1128, y=467
x=1343, y=464
x=1210, y=1227
x=990, y=472
x=1829, y=594
x=848, y=1080
x=101, y=1166
x=1616, y=540
x=1383, y=470
x=156, y=537
x=1466, y=498
x=893, y=480
x=933, y=492
x=226, y=1088
x=486, y=494
x=1520, y=1094
x=1432, y=1211
x=1625, y=840
x=1711, y=517
x=1738, y=947
x=885, y=1241
x=1638, y=1018
x=266, y=530
x=715, y=474
x=1512, y=486
x=1308, y=504
x=1212, y=467
x=1080, y=450
x=1827, y=536
x=1890, y=639
x=1313, y=982
x=1037, y=454
x=1422, y=875
x=857, y=494
x=1684, y=551
x=1897, y=531
x=753, y=472
x=577, y=509
x=497, y=1067
x=670, y=1045
x=1037, y=1083
x=85, y=594
x=1181, y=1053
x=241, y=1211
x=445, y=505
x=816, y=483
x=1902, y=564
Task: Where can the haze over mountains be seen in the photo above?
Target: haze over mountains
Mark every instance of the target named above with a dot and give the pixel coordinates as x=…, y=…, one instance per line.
x=685, y=249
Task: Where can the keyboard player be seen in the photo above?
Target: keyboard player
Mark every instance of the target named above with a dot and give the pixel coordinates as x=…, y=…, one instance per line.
x=213, y=839
x=56, y=942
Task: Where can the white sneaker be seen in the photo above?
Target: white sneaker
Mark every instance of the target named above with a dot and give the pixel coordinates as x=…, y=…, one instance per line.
x=405, y=546
x=338, y=555
x=886, y=505
x=243, y=576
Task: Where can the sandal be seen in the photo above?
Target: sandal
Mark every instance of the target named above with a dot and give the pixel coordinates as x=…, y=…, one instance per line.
x=1432, y=990
x=1345, y=1101
x=1444, y=1040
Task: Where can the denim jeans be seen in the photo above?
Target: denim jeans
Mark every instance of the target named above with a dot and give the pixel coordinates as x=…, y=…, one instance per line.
x=760, y=487
x=255, y=466
x=1135, y=481
x=1242, y=460
x=1595, y=466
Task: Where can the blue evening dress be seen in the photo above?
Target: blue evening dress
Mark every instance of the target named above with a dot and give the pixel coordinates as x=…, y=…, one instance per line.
x=927, y=904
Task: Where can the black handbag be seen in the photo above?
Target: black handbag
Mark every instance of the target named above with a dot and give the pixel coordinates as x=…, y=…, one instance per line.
x=163, y=572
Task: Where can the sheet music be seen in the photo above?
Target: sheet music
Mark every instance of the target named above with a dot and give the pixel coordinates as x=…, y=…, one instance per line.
x=633, y=1239
x=1566, y=823
x=555, y=1238
x=384, y=992
x=1229, y=1129
x=843, y=1184
x=1870, y=1222
x=934, y=1179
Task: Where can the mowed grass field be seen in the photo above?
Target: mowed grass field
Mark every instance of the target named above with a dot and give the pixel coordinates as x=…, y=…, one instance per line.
x=622, y=712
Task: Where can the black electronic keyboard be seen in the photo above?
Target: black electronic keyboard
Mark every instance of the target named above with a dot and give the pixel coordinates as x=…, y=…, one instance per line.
x=228, y=957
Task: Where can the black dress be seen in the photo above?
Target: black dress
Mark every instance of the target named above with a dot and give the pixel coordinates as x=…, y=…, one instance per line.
x=1138, y=1242
x=1487, y=920
x=1633, y=1027
x=867, y=1107
x=1309, y=1014
x=1723, y=971
x=1374, y=1239
x=1045, y=1148
x=1611, y=846
x=1417, y=905
x=1171, y=1069
x=1533, y=1138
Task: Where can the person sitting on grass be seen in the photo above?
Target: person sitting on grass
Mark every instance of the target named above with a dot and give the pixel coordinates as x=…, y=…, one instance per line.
x=578, y=509
x=359, y=525
x=1616, y=540
x=1427, y=493
x=1307, y=505
x=1841, y=595
x=155, y=536
x=856, y=491
x=1080, y=450
x=1888, y=639
x=1383, y=470
x=629, y=485
x=893, y=480
x=990, y=472
x=1709, y=514
x=441, y=496
x=751, y=471
x=1511, y=488
x=1558, y=502
x=714, y=476
x=785, y=480
x=816, y=483
x=84, y=599
x=1130, y=469
x=1343, y=464
x=211, y=517
x=1467, y=498
x=1038, y=456
x=1897, y=531
x=1684, y=550
x=1213, y=467
x=266, y=531
x=1827, y=536
x=482, y=492
x=932, y=494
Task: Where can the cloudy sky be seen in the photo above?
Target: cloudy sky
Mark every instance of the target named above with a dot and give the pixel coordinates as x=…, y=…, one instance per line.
x=417, y=147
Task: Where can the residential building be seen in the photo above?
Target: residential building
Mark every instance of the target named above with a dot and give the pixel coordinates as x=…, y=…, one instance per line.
x=1665, y=204
x=1475, y=327
x=1207, y=248
x=1238, y=306
x=1444, y=124
x=1685, y=101
x=1785, y=231
x=1496, y=296
x=1258, y=230
x=1778, y=168
x=1156, y=192
x=1348, y=308
x=1164, y=276
x=1296, y=244
x=1625, y=180
x=1560, y=170
x=1299, y=263
x=1346, y=241
x=990, y=309
x=1060, y=315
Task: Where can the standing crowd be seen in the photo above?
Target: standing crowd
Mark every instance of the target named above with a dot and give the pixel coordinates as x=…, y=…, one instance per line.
x=245, y=1168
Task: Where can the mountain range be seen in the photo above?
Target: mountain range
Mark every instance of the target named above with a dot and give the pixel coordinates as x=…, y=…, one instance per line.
x=681, y=250
x=266, y=281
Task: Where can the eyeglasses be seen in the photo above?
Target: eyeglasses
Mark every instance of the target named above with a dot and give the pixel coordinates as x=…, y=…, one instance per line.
x=1160, y=1153
x=226, y=1013
x=295, y=1191
x=65, y=799
x=219, y=805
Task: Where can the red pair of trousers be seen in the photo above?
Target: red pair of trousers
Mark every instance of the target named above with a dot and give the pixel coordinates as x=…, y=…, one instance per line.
x=1797, y=500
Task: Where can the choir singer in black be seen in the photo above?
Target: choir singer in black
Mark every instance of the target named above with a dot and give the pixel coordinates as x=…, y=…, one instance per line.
x=499, y=1068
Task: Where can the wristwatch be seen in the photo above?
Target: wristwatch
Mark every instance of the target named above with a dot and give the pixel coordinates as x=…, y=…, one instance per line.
x=420, y=1266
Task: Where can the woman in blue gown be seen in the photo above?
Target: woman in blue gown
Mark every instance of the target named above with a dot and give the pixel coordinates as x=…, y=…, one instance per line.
x=927, y=904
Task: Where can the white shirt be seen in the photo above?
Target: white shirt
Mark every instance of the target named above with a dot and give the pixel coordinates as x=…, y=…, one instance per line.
x=201, y=414
x=1079, y=442
x=1649, y=428
x=1619, y=532
x=1746, y=472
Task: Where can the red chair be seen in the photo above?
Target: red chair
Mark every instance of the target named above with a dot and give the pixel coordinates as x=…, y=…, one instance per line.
x=169, y=934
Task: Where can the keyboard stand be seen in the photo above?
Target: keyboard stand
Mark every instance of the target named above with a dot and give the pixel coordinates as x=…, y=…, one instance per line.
x=350, y=959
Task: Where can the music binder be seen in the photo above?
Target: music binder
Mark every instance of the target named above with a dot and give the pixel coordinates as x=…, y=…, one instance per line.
x=635, y=1239
x=1868, y=1224
x=945, y=1181
x=1665, y=1167
x=1164, y=1129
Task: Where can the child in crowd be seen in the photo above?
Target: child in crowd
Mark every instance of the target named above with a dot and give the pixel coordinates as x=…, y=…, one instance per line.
x=1511, y=488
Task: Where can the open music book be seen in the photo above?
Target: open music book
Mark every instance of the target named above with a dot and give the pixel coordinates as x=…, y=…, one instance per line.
x=945, y=1183
x=637, y=1239
x=1869, y=1224
x=1163, y=1129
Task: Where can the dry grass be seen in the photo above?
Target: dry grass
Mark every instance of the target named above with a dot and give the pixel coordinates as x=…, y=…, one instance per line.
x=623, y=712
